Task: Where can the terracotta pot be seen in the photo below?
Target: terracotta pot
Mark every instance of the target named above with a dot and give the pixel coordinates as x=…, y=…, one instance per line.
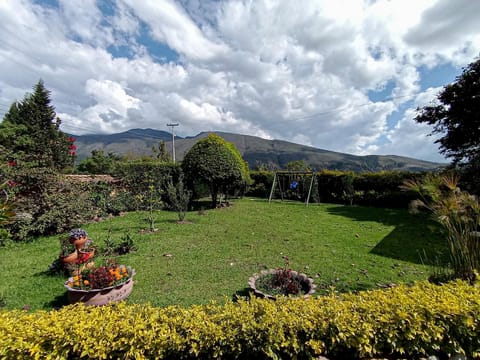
x=99, y=297
x=79, y=243
x=72, y=258
x=306, y=282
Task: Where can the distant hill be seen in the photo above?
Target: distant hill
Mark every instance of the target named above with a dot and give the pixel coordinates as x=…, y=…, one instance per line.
x=133, y=142
x=254, y=150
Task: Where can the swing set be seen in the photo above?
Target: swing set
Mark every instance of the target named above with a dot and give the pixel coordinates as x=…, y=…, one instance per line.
x=292, y=182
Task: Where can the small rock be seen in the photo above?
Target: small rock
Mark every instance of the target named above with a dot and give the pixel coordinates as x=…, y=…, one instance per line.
x=167, y=255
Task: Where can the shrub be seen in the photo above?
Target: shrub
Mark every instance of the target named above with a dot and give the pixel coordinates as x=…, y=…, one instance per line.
x=142, y=181
x=424, y=319
x=262, y=183
x=46, y=203
x=178, y=197
x=459, y=214
x=214, y=162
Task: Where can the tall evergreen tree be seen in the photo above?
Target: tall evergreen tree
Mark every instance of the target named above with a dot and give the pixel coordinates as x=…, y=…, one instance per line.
x=31, y=131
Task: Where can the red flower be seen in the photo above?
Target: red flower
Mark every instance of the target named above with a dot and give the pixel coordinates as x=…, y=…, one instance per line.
x=73, y=147
x=11, y=183
x=71, y=139
x=12, y=163
x=73, y=153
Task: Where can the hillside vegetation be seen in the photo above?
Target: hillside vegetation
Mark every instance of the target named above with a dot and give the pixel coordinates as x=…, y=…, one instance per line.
x=254, y=150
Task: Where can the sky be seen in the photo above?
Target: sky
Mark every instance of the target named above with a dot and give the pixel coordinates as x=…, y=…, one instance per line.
x=343, y=75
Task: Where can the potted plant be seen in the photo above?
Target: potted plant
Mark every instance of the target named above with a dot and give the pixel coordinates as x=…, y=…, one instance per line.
x=76, y=249
x=281, y=282
x=100, y=285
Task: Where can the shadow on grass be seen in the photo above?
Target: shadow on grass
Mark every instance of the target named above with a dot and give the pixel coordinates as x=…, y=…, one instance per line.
x=415, y=238
x=244, y=293
x=58, y=302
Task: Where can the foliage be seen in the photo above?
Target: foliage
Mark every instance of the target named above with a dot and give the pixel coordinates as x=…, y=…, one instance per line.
x=459, y=214
x=99, y=163
x=178, y=197
x=402, y=322
x=161, y=152
x=7, y=214
x=371, y=189
x=47, y=204
x=298, y=165
x=6, y=209
x=145, y=181
x=127, y=244
x=100, y=277
x=31, y=132
x=112, y=247
x=456, y=117
x=108, y=248
x=137, y=178
x=217, y=163
x=283, y=281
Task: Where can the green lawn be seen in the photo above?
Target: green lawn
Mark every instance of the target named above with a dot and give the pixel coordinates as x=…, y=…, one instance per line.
x=351, y=247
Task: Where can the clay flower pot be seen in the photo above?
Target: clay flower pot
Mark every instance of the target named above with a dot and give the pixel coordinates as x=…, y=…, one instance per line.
x=99, y=297
x=78, y=257
x=303, y=280
x=79, y=243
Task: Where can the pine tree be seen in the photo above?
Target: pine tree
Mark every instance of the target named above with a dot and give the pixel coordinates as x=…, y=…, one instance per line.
x=31, y=131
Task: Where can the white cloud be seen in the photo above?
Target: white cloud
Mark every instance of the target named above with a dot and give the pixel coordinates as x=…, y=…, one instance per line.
x=83, y=20
x=169, y=23
x=444, y=26
x=410, y=138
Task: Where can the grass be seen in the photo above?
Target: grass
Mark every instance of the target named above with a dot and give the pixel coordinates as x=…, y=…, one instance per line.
x=353, y=248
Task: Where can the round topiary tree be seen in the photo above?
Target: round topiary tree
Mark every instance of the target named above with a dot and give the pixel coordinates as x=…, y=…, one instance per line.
x=216, y=163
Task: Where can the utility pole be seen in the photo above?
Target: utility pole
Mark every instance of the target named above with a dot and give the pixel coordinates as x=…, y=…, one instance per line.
x=172, y=125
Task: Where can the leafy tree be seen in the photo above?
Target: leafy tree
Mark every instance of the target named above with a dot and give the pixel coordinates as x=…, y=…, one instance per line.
x=298, y=165
x=457, y=117
x=216, y=163
x=31, y=131
x=99, y=163
x=161, y=152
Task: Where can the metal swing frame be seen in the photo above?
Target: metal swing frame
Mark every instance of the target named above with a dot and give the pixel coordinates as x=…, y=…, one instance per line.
x=279, y=174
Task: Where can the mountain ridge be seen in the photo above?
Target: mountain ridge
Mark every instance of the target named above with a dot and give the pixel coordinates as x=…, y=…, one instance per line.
x=255, y=150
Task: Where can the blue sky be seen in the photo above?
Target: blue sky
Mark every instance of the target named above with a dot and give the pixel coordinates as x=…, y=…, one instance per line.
x=339, y=75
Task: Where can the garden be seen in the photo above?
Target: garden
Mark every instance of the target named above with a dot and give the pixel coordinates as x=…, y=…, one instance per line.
x=211, y=258
x=180, y=252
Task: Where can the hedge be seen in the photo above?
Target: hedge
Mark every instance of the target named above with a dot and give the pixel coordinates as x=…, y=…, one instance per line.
x=424, y=319
x=345, y=187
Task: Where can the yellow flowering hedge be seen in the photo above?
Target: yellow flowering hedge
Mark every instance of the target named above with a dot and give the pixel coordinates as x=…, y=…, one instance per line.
x=422, y=319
